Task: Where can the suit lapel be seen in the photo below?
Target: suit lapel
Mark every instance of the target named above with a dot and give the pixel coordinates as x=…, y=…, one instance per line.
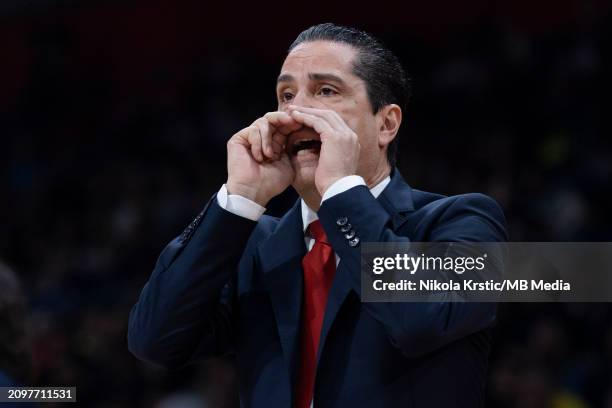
x=397, y=199
x=281, y=263
x=340, y=289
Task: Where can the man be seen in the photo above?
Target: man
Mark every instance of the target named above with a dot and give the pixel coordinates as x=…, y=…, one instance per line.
x=283, y=294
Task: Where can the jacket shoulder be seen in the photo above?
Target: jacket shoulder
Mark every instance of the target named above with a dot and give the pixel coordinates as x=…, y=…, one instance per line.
x=475, y=212
x=424, y=200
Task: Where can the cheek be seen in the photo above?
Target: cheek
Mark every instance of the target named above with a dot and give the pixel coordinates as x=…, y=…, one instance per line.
x=361, y=121
x=355, y=121
x=366, y=132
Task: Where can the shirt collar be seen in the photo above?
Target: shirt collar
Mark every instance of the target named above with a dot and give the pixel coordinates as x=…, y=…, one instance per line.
x=309, y=215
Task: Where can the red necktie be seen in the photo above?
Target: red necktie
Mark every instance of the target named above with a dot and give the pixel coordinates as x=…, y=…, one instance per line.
x=319, y=266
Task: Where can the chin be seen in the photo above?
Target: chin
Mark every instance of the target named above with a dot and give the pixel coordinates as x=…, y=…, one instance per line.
x=304, y=177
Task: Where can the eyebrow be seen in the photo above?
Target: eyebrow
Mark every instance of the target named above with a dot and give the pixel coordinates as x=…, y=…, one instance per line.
x=326, y=77
x=312, y=77
x=285, y=78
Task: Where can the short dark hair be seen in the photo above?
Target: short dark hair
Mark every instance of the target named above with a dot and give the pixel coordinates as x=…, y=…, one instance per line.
x=385, y=78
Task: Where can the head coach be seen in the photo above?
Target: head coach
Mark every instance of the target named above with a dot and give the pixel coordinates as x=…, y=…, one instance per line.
x=283, y=295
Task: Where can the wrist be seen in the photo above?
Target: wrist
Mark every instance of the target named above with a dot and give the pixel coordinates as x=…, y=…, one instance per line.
x=328, y=183
x=249, y=192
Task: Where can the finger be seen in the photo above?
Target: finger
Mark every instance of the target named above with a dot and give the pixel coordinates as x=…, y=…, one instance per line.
x=335, y=121
x=278, y=143
x=278, y=118
x=254, y=139
x=266, y=138
x=280, y=138
x=278, y=148
x=282, y=122
x=319, y=124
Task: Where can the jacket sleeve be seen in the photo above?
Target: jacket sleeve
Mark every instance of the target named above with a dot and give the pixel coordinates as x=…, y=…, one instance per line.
x=184, y=312
x=416, y=328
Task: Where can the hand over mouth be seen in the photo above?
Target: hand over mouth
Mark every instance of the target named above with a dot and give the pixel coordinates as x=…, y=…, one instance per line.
x=306, y=144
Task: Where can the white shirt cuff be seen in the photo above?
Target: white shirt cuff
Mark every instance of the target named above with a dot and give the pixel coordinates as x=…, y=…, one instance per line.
x=239, y=205
x=343, y=184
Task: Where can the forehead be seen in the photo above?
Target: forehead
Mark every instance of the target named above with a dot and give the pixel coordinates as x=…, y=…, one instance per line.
x=320, y=56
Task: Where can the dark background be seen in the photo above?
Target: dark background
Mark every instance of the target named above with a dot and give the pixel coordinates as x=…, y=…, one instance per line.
x=113, y=121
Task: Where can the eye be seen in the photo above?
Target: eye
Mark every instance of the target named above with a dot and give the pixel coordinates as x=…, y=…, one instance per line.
x=327, y=91
x=286, y=96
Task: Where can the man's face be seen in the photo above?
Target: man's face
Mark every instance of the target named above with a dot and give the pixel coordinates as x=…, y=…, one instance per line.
x=319, y=75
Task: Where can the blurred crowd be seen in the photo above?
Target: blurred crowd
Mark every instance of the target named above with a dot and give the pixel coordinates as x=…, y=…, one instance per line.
x=99, y=172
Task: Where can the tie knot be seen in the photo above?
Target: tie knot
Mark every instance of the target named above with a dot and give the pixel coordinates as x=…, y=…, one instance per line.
x=317, y=232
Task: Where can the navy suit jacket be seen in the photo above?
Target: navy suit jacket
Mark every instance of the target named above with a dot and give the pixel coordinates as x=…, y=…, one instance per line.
x=231, y=285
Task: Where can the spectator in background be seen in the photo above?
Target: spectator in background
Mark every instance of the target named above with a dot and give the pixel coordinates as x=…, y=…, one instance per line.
x=14, y=355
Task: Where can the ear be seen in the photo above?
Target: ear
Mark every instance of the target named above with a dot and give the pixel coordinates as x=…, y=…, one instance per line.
x=390, y=119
